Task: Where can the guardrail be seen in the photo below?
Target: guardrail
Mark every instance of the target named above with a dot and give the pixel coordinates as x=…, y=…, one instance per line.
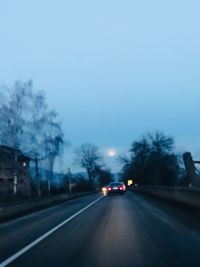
x=183, y=195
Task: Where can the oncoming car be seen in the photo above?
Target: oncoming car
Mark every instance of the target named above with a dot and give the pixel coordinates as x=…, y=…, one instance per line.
x=116, y=188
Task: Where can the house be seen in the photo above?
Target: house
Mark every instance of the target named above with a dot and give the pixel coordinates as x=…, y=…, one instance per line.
x=14, y=172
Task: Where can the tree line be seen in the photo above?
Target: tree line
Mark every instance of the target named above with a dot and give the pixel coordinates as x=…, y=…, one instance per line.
x=28, y=124
x=89, y=158
x=152, y=161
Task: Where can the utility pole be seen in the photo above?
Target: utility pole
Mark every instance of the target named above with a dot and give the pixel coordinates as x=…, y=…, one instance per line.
x=69, y=175
x=37, y=176
x=15, y=180
x=194, y=178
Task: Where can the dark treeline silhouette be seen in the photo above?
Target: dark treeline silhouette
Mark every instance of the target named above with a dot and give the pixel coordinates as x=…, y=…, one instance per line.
x=89, y=158
x=152, y=161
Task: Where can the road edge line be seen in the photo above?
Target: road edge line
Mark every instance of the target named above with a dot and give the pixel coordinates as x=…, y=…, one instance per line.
x=39, y=239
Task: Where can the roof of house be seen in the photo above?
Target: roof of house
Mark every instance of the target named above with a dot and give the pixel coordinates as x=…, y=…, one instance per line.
x=22, y=157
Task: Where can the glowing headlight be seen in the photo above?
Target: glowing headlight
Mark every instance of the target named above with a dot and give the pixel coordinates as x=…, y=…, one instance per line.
x=104, y=190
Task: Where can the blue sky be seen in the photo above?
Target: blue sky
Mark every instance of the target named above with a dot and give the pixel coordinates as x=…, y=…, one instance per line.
x=114, y=70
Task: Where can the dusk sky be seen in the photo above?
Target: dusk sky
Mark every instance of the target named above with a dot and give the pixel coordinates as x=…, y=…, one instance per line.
x=113, y=70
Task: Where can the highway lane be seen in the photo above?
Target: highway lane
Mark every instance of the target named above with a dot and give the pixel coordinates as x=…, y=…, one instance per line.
x=20, y=232
x=129, y=230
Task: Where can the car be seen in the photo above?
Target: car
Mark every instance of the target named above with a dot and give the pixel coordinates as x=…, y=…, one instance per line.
x=116, y=188
x=123, y=186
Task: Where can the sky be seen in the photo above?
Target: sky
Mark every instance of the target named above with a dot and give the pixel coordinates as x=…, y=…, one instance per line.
x=113, y=70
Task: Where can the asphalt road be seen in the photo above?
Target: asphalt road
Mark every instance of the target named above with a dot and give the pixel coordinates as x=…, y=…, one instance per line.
x=130, y=230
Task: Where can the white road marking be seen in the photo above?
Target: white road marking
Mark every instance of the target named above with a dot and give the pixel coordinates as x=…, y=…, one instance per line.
x=38, y=240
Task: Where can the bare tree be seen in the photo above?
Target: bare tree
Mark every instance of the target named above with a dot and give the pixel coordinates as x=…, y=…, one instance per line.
x=35, y=132
x=28, y=125
x=53, y=142
x=13, y=120
x=88, y=157
x=12, y=116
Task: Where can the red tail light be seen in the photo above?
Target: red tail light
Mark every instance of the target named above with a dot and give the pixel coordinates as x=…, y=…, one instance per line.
x=109, y=188
x=121, y=188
